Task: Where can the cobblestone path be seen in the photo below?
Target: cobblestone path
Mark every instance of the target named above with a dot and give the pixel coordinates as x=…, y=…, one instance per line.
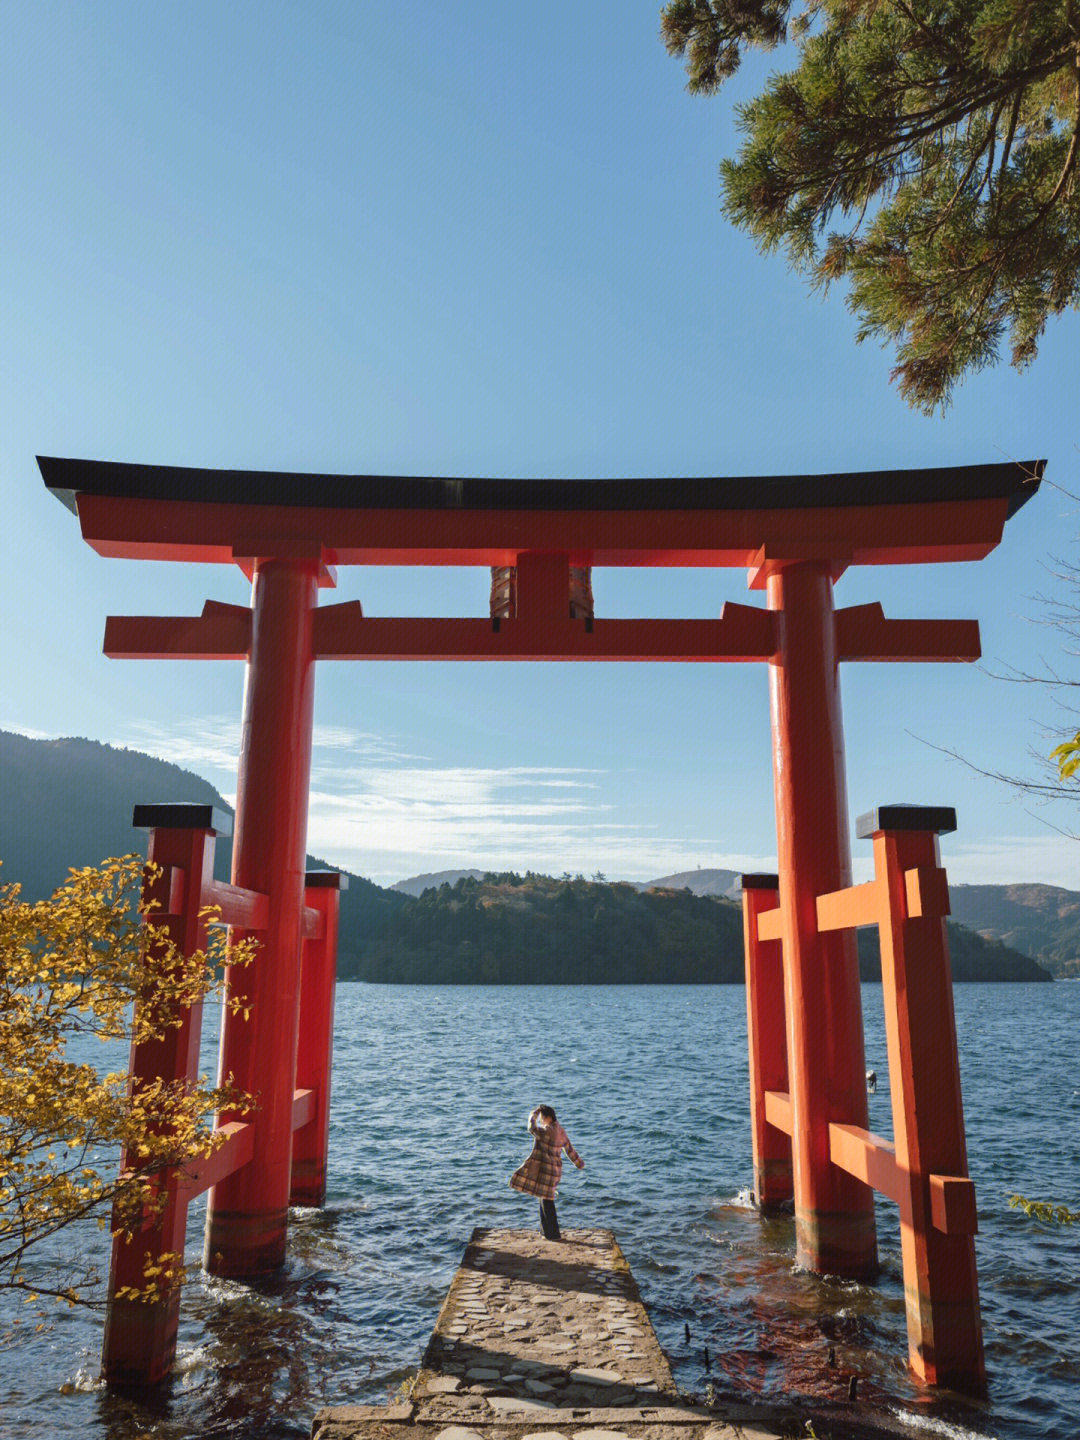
x=530, y=1323
x=547, y=1340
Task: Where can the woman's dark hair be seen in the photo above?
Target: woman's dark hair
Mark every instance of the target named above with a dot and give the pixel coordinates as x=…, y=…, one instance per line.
x=547, y=1112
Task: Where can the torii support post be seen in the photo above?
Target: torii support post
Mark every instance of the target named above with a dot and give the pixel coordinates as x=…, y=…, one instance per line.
x=834, y=1213
x=246, y=1222
x=938, y=1220
x=314, y=1051
x=140, y=1336
x=768, y=1045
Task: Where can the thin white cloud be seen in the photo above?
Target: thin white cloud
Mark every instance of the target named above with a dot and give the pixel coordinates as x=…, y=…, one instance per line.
x=380, y=811
x=1002, y=860
x=357, y=742
x=452, y=785
x=1014, y=860
x=374, y=808
x=213, y=742
x=388, y=822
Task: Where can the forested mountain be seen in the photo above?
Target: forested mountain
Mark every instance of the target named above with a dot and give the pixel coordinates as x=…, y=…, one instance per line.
x=417, y=884
x=701, y=882
x=532, y=929
x=68, y=803
x=535, y=930
x=1041, y=920
x=972, y=957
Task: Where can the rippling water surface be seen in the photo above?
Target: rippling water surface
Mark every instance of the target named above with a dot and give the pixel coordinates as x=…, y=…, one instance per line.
x=431, y=1090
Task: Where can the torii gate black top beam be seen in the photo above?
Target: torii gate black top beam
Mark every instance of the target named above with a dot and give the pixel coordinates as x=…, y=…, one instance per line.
x=877, y=517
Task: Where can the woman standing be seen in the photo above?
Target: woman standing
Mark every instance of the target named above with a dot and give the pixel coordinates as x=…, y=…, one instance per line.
x=542, y=1171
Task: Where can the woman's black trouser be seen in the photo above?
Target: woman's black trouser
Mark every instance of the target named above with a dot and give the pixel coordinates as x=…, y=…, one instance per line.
x=549, y=1221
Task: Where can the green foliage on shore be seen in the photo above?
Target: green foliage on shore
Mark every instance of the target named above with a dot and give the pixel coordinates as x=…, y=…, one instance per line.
x=531, y=929
x=511, y=929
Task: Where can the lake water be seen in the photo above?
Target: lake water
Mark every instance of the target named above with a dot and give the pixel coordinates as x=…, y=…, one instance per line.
x=432, y=1089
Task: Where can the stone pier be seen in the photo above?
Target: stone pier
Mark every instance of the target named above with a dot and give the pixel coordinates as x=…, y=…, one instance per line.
x=542, y=1340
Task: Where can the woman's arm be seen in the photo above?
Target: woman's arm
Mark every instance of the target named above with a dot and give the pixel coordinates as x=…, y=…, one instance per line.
x=574, y=1156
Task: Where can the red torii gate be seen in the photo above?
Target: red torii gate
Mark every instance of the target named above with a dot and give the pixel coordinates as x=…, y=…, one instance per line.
x=795, y=536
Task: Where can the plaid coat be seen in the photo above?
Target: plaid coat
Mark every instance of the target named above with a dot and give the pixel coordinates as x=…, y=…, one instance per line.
x=542, y=1171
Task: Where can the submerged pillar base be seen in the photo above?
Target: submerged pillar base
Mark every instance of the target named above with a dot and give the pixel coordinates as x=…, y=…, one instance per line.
x=240, y=1243
x=945, y=1341
x=838, y=1244
x=309, y=1182
x=140, y=1340
x=774, y=1187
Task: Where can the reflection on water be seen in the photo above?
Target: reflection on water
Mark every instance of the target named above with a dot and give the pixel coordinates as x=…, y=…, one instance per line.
x=432, y=1087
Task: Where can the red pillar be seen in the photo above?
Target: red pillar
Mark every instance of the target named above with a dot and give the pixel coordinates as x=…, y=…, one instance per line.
x=246, y=1220
x=140, y=1336
x=314, y=1051
x=767, y=1038
x=937, y=1227
x=834, y=1214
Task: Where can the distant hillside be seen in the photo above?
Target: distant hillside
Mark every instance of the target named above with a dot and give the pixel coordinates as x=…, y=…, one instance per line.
x=698, y=882
x=515, y=929
x=1041, y=920
x=702, y=882
x=1037, y=921
x=971, y=958
x=66, y=803
x=533, y=929
x=417, y=884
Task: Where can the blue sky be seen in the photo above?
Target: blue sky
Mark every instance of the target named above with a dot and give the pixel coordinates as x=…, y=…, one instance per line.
x=301, y=236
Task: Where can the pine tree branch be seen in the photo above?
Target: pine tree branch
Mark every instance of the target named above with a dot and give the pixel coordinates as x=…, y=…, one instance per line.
x=957, y=123
x=1007, y=151
x=999, y=254
x=947, y=211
